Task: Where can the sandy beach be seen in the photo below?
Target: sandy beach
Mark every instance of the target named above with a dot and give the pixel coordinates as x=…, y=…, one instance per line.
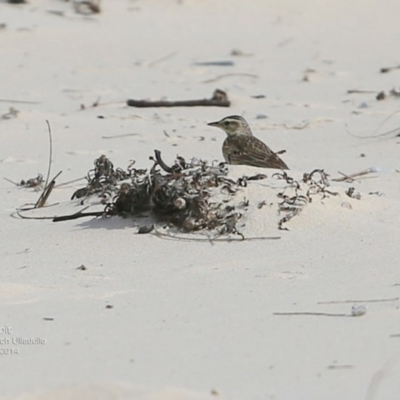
x=311, y=315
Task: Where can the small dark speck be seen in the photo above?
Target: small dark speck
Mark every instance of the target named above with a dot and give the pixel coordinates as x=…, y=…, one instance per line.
x=48, y=319
x=101, y=116
x=258, y=96
x=109, y=306
x=82, y=267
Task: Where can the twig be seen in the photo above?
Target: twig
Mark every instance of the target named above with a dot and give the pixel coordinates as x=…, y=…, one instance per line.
x=50, y=153
x=236, y=239
x=360, y=91
x=9, y=180
x=388, y=69
x=228, y=75
x=46, y=192
x=77, y=215
x=355, y=175
x=219, y=99
x=215, y=63
x=121, y=136
x=358, y=301
x=19, y=101
x=313, y=313
x=21, y=210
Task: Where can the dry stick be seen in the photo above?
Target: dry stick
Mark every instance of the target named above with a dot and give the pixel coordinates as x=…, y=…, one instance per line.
x=9, y=180
x=358, y=301
x=49, y=168
x=121, y=136
x=313, y=313
x=238, y=239
x=388, y=69
x=21, y=210
x=219, y=99
x=227, y=75
x=361, y=91
x=19, y=101
x=355, y=175
x=77, y=215
x=46, y=193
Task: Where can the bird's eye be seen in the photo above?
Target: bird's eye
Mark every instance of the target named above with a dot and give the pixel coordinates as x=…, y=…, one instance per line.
x=226, y=123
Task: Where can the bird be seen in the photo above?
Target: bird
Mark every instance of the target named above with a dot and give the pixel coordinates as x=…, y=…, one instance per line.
x=241, y=147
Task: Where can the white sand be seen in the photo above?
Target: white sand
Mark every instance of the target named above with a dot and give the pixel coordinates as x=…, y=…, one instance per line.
x=190, y=317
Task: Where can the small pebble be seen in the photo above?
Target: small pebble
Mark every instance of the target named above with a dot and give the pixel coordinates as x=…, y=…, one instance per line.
x=358, y=310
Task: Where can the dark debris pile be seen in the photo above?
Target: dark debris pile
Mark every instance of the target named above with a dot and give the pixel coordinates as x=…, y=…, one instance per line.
x=191, y=196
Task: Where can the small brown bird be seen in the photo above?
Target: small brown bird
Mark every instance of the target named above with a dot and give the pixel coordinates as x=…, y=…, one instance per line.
x=241, y=147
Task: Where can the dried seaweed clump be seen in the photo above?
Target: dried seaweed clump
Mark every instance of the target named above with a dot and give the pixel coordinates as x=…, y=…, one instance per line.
x=299, y=193
x=191, y=196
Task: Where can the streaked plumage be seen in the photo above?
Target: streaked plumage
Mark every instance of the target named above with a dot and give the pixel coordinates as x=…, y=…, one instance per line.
x=242, y=148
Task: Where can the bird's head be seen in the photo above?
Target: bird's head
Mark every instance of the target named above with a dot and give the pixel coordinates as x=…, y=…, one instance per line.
x=233, y=125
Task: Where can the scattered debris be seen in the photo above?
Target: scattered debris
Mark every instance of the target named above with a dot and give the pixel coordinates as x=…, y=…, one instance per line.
x=35, y=183
x=395, y=92
x=240, y=53
x=259, y=96
x=95, y=104
x=353, y=194
x=87, y=7
x=293, y=202
x=388, y=69
x=379, y=194
x=219, y=99
x=12, y=113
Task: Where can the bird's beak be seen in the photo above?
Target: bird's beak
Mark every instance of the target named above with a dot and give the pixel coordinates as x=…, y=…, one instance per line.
x=214, y=124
